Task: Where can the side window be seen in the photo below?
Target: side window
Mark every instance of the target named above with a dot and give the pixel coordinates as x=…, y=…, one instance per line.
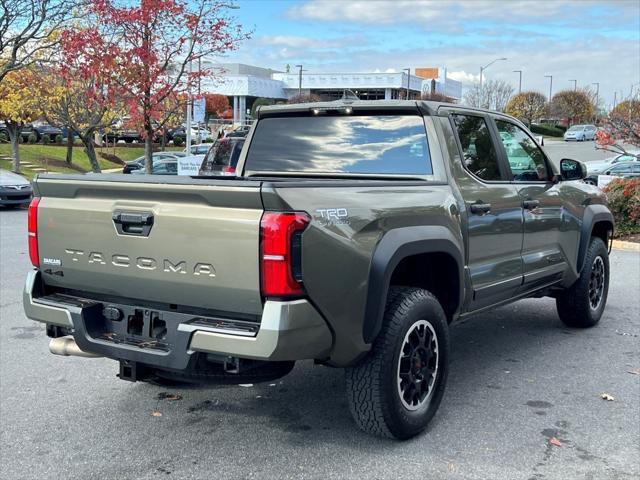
x=479, y=154
x=525, y=157
x=624, y=168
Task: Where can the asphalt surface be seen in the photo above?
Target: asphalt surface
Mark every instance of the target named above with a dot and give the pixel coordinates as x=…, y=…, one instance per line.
x=518, y=378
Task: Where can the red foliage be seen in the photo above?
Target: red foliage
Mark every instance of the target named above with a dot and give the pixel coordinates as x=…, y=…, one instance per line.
x=142, y=52
x=622, y=125
x=216, y=104
x=624, y=201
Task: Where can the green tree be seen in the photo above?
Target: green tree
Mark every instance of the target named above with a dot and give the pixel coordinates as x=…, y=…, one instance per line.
x=574, y=105
x=18, y=106
x=527, y=106
x=259, y=102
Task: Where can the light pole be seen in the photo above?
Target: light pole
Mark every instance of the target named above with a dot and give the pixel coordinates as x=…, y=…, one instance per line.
x=550, y=77
x=519, y=80
x=299, y=80
x=575, y=84
x=408, y=70
x=597, y=84
x=482, y=69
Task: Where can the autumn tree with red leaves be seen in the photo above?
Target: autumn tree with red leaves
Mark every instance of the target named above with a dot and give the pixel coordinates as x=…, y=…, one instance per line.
x=216, y=104
x=149, y=48
x=620, y=127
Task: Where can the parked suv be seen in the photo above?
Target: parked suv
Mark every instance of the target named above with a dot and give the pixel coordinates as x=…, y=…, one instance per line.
x=353, y=234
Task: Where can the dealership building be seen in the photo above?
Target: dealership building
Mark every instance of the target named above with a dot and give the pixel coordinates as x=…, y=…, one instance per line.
x=243, y=84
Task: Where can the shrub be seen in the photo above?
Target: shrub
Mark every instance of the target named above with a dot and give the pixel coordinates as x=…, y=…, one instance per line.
x=59, y=139
x=32, y=138
x=207, y=140
x=4, y=138
x=178, y=141
x=624, y=202
x=547, y=129
x=45, y=139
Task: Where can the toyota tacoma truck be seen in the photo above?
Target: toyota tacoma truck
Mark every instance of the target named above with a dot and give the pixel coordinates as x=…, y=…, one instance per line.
x=353, y=234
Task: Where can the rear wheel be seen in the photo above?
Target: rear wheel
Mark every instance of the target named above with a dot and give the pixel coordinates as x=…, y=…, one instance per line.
x=397, y=388
x=582, y=304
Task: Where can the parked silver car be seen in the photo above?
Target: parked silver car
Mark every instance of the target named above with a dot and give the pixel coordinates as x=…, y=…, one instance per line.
x=15, y=190
x=599, y=167
x=580, y=133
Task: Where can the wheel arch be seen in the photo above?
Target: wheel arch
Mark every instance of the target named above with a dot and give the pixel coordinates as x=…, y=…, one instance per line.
x=597, y=221
x=401, y=256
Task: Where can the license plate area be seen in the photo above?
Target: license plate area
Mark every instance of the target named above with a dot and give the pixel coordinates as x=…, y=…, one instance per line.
x=137, y=327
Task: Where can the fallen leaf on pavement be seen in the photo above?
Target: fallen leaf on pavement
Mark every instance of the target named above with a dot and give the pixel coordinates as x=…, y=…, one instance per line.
x=606, y=396
x=169, y=396
x=156, y=413
x=634, y=372
x=555, y=441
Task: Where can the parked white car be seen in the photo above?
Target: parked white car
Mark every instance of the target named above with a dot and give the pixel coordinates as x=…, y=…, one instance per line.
x=200, y=149
x=580, y=133
x=599, y=167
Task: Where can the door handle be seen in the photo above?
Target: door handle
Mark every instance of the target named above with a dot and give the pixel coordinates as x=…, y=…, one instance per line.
x=531, y=204
x=480, y=208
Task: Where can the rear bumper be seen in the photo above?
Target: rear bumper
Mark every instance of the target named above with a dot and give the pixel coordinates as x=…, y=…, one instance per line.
x=291, y=330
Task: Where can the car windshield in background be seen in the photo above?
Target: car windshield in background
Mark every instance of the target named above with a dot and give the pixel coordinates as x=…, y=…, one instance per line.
x=576, y=128
x=381, y=144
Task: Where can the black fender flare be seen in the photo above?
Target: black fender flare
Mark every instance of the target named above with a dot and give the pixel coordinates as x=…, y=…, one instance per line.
x=592, y=215
x=394, y=246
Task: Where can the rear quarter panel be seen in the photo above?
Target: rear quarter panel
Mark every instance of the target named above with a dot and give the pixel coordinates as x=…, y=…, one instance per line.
x=347, y=223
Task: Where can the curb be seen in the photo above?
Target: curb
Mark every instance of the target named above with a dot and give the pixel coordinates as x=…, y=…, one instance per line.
x=627, y=246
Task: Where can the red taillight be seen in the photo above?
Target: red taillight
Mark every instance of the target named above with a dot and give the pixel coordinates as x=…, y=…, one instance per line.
x=32, y=227
x=229, y=171
x=278, y=254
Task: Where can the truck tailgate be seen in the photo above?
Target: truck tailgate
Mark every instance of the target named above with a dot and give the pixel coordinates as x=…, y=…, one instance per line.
x=168, y=241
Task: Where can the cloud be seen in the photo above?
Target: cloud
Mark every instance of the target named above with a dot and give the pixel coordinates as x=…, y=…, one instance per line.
x=464, y=77
x=387, y=12
x=292, y=41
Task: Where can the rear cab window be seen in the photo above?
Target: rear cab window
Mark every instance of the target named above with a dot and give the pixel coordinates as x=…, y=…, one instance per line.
x=357, y=144
x=478, y=151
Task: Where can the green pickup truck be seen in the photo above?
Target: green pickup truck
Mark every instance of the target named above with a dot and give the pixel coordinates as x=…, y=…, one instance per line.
x=354, y=234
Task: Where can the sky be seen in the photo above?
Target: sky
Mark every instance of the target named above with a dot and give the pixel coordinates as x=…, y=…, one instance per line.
x=590, y=41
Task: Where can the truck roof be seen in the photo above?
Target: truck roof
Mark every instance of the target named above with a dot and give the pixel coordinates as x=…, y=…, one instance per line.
x=409, y=105
x=426, y=106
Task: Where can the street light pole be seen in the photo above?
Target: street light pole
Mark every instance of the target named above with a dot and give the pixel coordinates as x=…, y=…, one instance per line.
x=597, y=84
x=519, y=80
x=299, y=80
x=550, y=77
x=482, y=69
x=575, y=84
x=408, y=70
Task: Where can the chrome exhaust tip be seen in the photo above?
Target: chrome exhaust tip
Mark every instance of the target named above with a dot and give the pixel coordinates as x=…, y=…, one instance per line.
x=67, y=346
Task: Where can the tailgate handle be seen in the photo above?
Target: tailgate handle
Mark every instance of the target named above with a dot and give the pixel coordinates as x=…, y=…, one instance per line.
x=133, y=223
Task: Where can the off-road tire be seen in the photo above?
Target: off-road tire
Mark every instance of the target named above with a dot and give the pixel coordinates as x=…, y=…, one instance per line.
x=372, y=384
x=574, y=304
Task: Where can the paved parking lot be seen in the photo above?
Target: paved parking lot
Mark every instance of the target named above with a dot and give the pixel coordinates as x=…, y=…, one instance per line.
x=518, y=378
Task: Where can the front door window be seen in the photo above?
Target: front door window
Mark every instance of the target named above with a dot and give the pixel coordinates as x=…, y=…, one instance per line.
x=526, y=160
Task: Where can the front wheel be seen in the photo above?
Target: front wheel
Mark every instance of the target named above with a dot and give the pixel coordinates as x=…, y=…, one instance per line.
x=582, y=304
x=397, y=388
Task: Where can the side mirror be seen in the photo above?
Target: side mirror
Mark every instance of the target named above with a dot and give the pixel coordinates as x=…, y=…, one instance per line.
x=572, y=170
